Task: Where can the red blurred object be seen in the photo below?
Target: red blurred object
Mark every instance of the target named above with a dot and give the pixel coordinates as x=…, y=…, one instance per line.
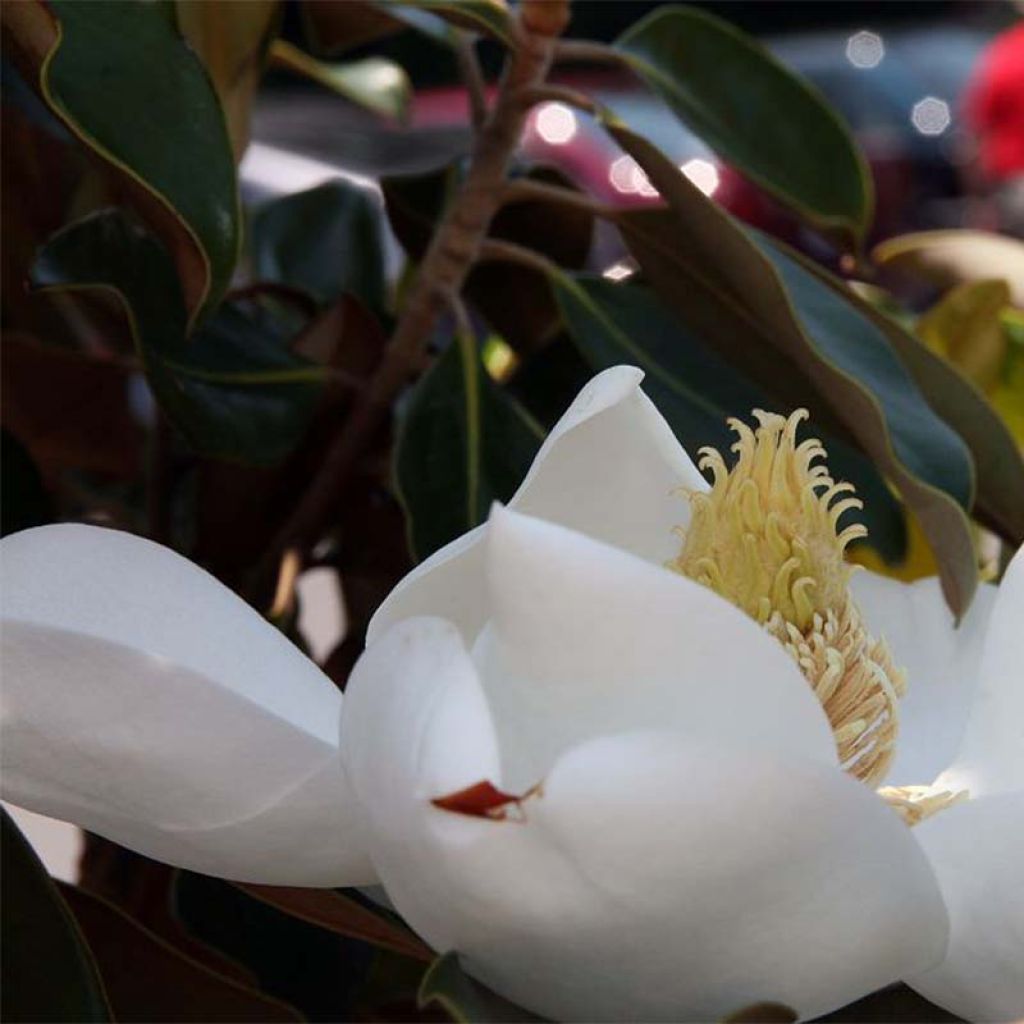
x=995, y=106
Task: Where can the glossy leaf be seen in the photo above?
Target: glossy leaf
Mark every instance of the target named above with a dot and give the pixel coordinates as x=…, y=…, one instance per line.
x=326, y=240
x=953, y=256
x=374, y=83
x=487, y=17
x=232, y=38
x=73, y=410
x=755, y=113
x=339, y=913
x=47, y=972
x=146, y=978
x=462, y=445
x=763, y=311
x=966, y=327
x=998, y=462
x=163, y=135
x=338, y=25
x=235, y=390
x=465, y=1000
x=317, y=971
x=697, y=391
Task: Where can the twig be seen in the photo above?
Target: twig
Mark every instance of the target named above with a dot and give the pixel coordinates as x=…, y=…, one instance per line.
x=451, y=253
x=560, y=94
x=287, y=577
x=493, y=250
x=585, y=51
x=472, y=78
x=526, y=190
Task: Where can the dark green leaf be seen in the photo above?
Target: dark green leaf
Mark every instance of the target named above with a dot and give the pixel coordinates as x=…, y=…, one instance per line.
x=24, y=501
x=755, y=113
x=696, y=390
x=47, y=972
x=790, y=331
x=144, y=975
x=999, y=504
x=123, y=80
x=463, y=444
x=234, y=390
x=326, y=240
x=466, y=1001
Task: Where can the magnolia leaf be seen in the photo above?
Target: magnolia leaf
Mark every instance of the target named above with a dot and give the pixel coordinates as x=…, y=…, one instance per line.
x=122, y=79
x=462, y=444
x=232, y=38
x=374, y=83
x=334, y=26
x=47, y=972
x=141, y=972
x=966, y=327
x=789, y=330
x=763, y=1013
x=999, y=465
x=466, y=1001
x=956, y=255
x=697, y=391
x=756, y=114
x=72, y=409
x=339, y=913
x=326, y=241
x=234, y=390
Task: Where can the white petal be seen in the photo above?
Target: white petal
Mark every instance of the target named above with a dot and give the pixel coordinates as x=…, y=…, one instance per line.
x=610, y=468
x=145, y=701
x=977, y=851
x=652, y=879
x=942, y=661
x=588, y=640
x=991, y=757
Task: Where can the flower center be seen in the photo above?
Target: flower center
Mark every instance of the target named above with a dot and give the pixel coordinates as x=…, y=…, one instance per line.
x=766, y=537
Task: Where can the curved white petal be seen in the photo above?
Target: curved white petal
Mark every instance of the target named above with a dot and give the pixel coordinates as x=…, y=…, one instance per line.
x=145, y=701
x=991, y=757
x=587, y=640
x=942, y=661
x=652, y=879
x=977, y=851
x=609, y=468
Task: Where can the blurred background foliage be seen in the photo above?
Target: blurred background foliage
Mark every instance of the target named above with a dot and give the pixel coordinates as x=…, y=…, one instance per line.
x=225, y=327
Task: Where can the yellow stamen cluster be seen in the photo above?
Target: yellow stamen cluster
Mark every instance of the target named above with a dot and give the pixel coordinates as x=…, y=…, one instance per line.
x=766, y=537
x=915, y=803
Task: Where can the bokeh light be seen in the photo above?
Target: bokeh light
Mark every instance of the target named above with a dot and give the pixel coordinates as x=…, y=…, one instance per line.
x=556, y=124
x=865, y=49
x=703, y=173
x=931, y=116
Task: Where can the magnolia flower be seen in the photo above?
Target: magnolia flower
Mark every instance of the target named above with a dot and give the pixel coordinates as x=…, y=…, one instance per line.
x=636, y=748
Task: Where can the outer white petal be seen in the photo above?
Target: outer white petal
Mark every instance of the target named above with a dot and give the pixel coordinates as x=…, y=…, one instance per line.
x=991, y=757
x=588, y=640
x=977, y=851
x=146, y=702
x=609, y=468
x=653, y=878
x=942, y=661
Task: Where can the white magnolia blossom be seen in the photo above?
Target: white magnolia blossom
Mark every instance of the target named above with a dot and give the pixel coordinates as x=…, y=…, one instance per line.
x=684, y=839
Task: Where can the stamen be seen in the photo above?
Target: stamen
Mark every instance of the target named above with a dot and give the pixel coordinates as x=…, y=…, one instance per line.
x=766, y=537
x=914, y=804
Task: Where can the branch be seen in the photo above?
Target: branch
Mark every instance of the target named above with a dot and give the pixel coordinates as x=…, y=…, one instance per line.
x=494, y=250
x=585, y=51
x=447, y=261
x=526, y=190
x=560, y=94
x=472, y=78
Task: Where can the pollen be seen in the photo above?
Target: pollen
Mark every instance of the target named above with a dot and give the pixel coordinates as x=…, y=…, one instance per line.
x=767, y=537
